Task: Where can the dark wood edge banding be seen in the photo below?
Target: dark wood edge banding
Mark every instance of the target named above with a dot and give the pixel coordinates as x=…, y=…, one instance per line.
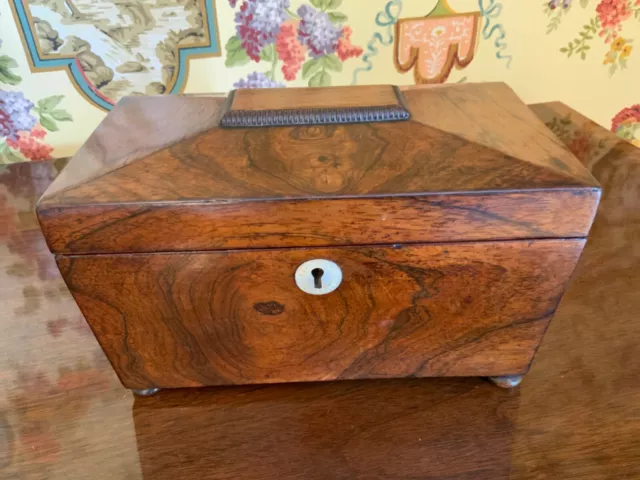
x=402, y=101
x=313, y=116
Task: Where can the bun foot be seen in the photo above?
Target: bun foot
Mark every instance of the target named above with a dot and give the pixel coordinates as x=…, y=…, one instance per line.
x=509, y=381
x=146, y=392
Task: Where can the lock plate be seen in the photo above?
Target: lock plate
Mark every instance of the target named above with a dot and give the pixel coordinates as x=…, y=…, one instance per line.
x=318, y=276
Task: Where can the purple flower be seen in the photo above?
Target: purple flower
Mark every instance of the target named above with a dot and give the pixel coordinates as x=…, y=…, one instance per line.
x=258, y=22
x=15, y=114
x=257, y=80
x=317, y=32
x=233, y=3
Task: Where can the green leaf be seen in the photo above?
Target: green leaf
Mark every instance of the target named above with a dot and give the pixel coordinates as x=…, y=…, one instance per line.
x=612, y=69
x=320, y=79
x=49, y=103
x=337, y=17
x=584, y=3
x=623, y=62
x=318, y=3
x=564, y=49
x=234, y=43
x=7, y=61
x=236, y=58
x=48, y=123
x=268, y=53
x=9, y=155
x=331, y=62
x=310, y=67
x=331, y=4
x=61, y=116
x=583, y=55
x=236, y=55
x=7, y=76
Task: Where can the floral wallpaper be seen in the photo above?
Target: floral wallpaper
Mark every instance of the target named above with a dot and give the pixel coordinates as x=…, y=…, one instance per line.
x=310, y=43
x=65, y=63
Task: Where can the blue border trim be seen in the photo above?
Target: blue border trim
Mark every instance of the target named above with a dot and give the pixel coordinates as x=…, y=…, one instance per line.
x=49, y=63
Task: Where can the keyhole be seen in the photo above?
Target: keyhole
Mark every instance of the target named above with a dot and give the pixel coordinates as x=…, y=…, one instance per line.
x=317, y=277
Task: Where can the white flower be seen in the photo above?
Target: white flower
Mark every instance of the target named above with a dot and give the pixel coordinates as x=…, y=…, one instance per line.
x=438, y=31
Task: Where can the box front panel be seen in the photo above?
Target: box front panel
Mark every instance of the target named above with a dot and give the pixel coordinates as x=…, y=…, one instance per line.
x=238, y=317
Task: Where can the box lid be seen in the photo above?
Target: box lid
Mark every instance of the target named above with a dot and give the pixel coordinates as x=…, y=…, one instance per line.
x=312, y=167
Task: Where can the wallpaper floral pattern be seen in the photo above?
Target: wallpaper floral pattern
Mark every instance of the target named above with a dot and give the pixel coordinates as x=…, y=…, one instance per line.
x=616, y=23
x=312, y=42
x=612, y=22
x=626, y=124
x=23, y=124
x=65, y=63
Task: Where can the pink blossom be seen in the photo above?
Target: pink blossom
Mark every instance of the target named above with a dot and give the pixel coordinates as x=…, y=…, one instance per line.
x=30, y=147
x=290, y=51
x=345, y=49
x=626, y=115
x=611, y=13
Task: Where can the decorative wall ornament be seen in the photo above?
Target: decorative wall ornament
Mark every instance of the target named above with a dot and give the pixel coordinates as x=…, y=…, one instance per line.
x=112, y=49
x=434, y=44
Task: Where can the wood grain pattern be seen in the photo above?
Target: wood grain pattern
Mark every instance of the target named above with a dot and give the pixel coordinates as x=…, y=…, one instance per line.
x=335, y=97
x=193, y=319
x=145, y=227
x=63, y=411
x=491, y=114
x=601, y=142
x=138, y=126
x=312, y=106
x=328, y=161
x=371, y=183
x=453, y=429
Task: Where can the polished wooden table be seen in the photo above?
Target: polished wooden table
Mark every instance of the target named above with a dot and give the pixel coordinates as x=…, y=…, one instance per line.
x=64, y=414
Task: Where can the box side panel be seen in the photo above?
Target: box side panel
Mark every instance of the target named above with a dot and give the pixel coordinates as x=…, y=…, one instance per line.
x=219, y=318
x=143, y=227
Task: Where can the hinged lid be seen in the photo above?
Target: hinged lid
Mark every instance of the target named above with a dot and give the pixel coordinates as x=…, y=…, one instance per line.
x=311, y=167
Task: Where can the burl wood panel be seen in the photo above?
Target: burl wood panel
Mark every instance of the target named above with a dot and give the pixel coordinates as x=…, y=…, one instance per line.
x=309, y=186
x=491, y=114
x=461, y=169
x=336, y=97
x=144, y=227
x=237, y=317
x=322, y=161
x=138, y=126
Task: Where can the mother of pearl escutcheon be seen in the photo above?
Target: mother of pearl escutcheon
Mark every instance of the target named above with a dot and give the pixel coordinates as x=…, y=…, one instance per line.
x=318, y=276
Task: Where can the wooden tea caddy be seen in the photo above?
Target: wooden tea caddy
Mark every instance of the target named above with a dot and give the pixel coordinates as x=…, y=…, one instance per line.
x=298, y=235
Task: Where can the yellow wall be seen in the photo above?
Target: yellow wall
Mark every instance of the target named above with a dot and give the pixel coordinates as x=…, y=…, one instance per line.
x=124, y=37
